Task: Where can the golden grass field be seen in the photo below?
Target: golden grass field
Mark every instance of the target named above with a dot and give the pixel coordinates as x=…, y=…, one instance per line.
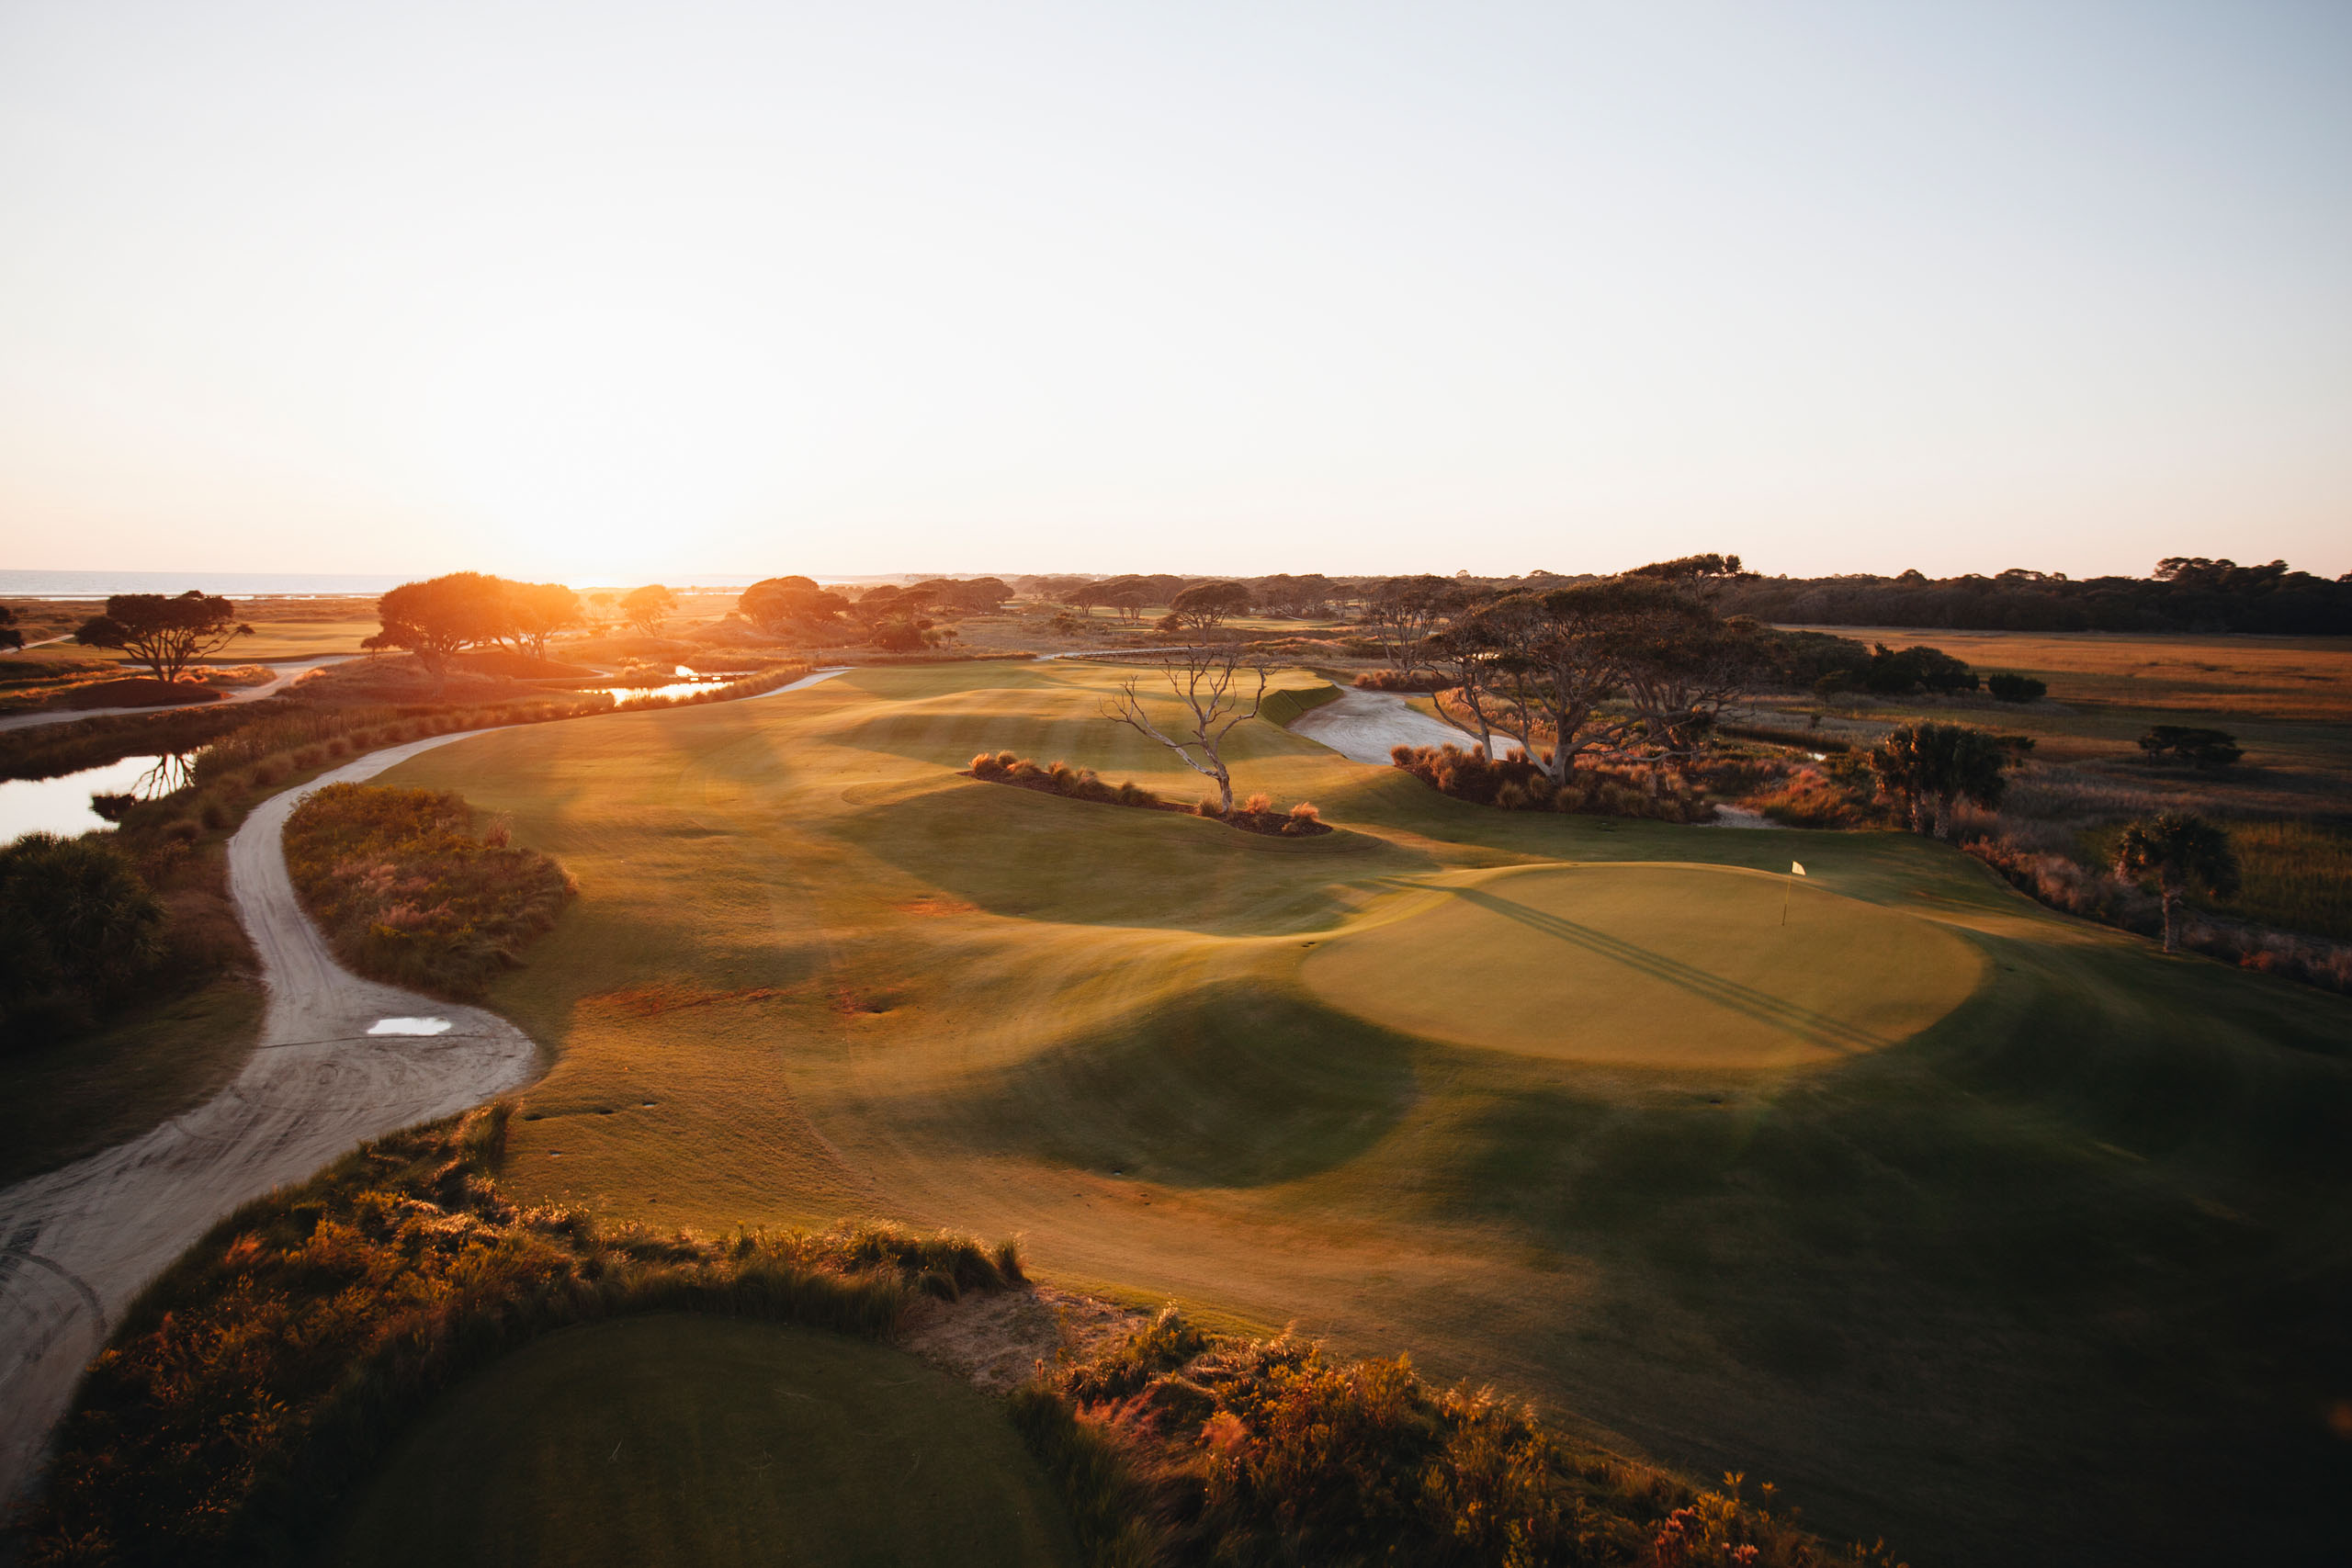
x=2038, y=1259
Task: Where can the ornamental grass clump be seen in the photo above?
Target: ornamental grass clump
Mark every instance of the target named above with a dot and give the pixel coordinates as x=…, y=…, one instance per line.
x=408, y=892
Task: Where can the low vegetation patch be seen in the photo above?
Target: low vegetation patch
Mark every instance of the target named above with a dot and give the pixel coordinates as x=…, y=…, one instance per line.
x=1398, y=680
x=1257, y=814
x=254, y=1385
x=1173, y=1445
x=408, y=892
x=1515, y=783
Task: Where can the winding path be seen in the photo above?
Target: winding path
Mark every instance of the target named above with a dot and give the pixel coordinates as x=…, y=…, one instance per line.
x=78, y=1244
x=296, y=668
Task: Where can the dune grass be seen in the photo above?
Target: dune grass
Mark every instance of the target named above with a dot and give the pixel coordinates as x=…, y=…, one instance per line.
x=707, y=1442
x=2051, y=1280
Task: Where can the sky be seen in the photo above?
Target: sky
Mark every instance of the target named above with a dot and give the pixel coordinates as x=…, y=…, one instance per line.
x=601, y=292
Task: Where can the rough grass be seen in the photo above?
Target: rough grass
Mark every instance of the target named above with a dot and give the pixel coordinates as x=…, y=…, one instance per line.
x=263, y=1376
x=407, y=892
x=1177, y=1445
x=2090, y=1226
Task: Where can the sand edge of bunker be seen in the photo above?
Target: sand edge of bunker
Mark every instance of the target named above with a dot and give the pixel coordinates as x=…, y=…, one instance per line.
x=1650, y=980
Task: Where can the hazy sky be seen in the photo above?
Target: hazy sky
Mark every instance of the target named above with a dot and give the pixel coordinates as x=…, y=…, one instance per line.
x=596, y=291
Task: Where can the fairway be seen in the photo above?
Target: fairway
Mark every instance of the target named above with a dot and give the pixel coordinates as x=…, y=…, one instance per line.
x=707, y=1443
x=1926, y=1199
x=1648, y=965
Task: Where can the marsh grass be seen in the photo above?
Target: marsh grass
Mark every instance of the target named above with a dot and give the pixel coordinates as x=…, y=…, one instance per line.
x=263, y=1375
x=1175, y=1446
x=408, y=892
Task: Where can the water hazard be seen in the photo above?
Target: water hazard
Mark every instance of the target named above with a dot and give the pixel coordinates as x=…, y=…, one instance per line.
x=62, y=805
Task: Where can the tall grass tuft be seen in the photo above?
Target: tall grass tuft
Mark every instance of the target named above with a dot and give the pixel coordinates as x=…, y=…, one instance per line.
x=407, y=892
x=1172, y=1446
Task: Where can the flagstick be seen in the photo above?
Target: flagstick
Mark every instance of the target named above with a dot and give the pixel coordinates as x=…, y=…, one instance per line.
x=1785, y=887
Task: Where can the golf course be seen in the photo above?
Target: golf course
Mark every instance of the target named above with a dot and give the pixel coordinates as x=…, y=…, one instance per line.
x=1966, y=1223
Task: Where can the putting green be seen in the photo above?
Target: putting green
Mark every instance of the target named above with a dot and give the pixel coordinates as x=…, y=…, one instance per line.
x=707, y=1441
x=1656, y=966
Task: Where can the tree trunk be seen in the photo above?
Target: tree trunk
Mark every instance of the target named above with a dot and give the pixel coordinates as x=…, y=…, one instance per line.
x=2171, y=894
x=1225, y=789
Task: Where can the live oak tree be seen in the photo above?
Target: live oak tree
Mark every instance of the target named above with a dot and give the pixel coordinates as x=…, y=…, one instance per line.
x=537, y=611
x=1209, y=683
x=164, y=634
x=781, y=604
x=2179, y=851
x=646, y=606
x=1402, y=616
x=443, y=617
x=1200, y=610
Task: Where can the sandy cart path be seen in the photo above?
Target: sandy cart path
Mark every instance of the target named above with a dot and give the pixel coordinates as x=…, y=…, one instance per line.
x=77, y=1245
x=288, y=672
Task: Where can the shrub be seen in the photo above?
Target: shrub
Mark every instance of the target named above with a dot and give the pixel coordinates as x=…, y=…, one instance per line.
x=1516, y=784
x=2198, y=748
x=78, y=926
x=1397, y=680
x=408, y=893
x=1257, y=804
x=2015, y=688
x=1269, y=1451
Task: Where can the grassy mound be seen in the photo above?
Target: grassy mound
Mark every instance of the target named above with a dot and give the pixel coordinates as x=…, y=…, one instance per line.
x=1652, y=966
x=696, y=1440
x=408, y=893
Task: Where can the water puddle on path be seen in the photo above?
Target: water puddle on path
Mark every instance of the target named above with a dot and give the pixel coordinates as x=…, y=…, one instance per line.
x=410, y=1026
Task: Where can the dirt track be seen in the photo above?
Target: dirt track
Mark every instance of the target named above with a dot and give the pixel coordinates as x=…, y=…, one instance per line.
x=293, y=670
x=77, y=1245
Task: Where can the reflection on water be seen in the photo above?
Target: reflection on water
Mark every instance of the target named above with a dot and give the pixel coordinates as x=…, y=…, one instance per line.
x=625, y=696
x=62, y=805
x=410, y=1026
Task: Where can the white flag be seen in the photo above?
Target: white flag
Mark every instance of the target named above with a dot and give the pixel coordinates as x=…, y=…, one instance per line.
x=1796, y=868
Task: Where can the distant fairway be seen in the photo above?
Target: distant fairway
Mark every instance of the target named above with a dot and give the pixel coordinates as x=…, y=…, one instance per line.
x=1648, y=965
x=707, y=1443
x=814, y=973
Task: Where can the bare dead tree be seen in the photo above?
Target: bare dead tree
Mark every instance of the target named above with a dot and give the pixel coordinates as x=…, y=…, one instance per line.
x=1209, y=682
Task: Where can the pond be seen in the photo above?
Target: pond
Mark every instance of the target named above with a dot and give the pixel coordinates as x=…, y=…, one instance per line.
x=688, y=684
x=61, y=805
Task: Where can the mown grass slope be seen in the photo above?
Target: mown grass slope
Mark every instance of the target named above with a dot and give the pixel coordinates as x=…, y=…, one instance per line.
x=707, y=1442
x=2051, y=1280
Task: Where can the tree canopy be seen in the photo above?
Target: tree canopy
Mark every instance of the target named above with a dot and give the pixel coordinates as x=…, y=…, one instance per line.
x=1926, y=768
x=164, y=634
x=2179, y=851
x=9, y=635
x=1200, y=610
x=781, y=604
x=645, y=607
x=442, y=616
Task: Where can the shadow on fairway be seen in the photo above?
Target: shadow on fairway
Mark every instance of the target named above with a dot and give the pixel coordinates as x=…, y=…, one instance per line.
x=1814, y=1028
x=1233, y=1085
